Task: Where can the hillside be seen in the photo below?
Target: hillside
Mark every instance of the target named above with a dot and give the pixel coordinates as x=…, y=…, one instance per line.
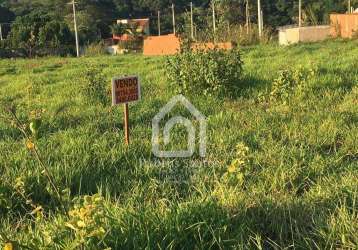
x=297, y=186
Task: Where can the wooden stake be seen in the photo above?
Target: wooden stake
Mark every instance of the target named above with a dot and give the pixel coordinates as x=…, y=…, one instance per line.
x=126, y=123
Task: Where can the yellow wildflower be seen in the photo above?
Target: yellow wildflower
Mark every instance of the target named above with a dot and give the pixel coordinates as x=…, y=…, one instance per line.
x=30, y=145
x=240, y=177
x=238, y=162
x=8, y=246
x=81, y=223
x=231, y=168
x=97, y=198
x=37, y=211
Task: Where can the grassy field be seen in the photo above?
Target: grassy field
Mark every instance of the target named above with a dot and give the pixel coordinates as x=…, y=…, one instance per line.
x=296, y=186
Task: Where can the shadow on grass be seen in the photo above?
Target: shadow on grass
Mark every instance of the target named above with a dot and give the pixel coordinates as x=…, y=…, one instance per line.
x=9, y=70
x=208, y=225
x=47, y=68
x=249, y=85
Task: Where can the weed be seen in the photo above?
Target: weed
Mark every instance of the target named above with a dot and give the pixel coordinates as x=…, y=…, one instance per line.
x=93, y=85
x=211, y=72
x=86, y=219
x=239, y=168
x=289, y=83
x=96, y=49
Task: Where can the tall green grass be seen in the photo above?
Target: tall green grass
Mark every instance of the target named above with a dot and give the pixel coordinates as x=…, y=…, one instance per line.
x=299, y=190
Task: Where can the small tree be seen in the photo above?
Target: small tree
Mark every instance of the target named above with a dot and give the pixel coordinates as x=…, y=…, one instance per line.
x=25, y=31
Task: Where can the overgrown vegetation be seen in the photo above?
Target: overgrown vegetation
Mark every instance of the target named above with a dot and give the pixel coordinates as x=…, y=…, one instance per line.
x=94, y=85
x=96, y=49
x=208, y=71
x=280, y=171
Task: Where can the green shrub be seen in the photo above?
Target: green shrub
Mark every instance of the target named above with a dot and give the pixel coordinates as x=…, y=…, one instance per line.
x=290, y=82
x=210, y=72
x=93, y=85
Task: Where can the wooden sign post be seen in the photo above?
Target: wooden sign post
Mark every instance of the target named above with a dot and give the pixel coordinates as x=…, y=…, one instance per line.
x=125, y=90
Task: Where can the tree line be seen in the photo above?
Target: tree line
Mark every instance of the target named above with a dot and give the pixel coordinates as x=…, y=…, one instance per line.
x=50, y=22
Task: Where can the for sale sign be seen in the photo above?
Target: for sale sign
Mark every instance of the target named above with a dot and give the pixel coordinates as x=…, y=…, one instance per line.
x=125, y=89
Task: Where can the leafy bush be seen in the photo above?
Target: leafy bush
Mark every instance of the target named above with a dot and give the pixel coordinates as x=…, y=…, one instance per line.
x=204, y=71
x=289, y=82
x=93, y=85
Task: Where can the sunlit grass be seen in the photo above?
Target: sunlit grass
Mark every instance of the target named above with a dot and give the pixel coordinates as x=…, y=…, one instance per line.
x=299, y=189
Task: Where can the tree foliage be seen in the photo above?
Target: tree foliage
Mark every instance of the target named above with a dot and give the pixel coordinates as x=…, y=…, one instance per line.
x=99, y=15
x=6, y=15
x=38, y=29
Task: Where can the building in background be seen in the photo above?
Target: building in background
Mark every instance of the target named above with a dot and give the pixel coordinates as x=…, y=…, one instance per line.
x=138, y=26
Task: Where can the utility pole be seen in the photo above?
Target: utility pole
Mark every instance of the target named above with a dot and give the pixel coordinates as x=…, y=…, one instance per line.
x=75, y=24
x=159, y=22
x=247, y=16
x=299, y=13
x=349, y=6
x=259, y=21
x=214, y=18
x=191, y=20
x=1, y=38
x=262, y=21
x=173, y=11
